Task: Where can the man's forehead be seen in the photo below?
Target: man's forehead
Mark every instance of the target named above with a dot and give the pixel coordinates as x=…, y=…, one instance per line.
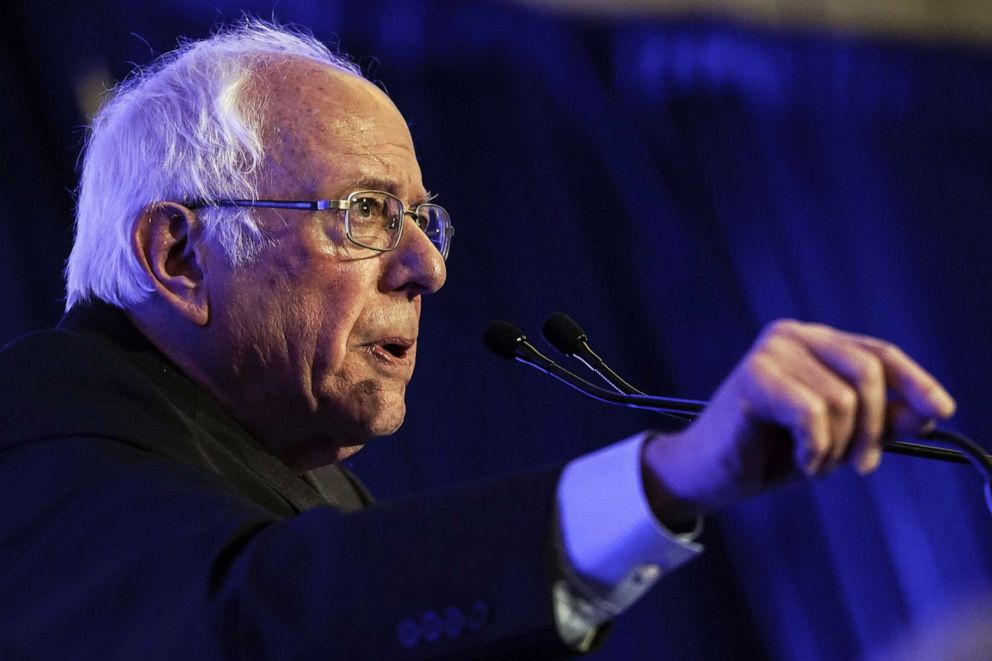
x=331, y=130
x=292, y=83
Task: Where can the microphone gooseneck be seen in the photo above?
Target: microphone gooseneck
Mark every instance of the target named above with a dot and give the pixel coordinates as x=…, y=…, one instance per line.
x=565, y=335
x=507, y=341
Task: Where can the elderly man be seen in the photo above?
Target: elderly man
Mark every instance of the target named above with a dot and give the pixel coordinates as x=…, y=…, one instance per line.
x=254, y=243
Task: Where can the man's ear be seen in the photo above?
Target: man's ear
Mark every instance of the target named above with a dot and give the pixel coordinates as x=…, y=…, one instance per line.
x=165, y=240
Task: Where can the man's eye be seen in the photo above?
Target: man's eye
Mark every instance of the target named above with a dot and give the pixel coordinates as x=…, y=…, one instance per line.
x=368, y=207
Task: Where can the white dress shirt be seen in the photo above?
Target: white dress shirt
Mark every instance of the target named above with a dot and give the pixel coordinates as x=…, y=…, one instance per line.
x=612, y=548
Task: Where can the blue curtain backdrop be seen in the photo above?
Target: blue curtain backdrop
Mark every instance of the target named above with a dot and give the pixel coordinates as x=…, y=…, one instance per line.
x=674, y=185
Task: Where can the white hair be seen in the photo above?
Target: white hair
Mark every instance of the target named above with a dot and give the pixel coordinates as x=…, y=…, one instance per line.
x=185, y=128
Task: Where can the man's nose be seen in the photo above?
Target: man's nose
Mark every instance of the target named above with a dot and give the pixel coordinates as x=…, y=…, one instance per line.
x=416, y=264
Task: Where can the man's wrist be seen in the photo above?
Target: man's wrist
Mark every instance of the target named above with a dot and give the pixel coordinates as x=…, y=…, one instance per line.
x=676, y=512
x=608, y=526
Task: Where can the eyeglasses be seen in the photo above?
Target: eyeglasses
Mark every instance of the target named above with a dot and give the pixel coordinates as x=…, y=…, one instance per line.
x=372, y=218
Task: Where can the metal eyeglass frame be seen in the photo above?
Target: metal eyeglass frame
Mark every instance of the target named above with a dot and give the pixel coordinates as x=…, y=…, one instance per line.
x=445, y=232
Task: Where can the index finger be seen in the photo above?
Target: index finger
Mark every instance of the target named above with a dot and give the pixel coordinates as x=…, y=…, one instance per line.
x=910, y=381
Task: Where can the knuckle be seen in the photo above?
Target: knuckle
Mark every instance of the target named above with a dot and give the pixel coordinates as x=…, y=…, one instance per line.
x=843, y=400
x=757, y=367
x=868, y=371
x=773, y=344
x=780, y=338
x=872, y=426
x=889, y=352
x=812, y=411
x=929, y=389
x=781, y=327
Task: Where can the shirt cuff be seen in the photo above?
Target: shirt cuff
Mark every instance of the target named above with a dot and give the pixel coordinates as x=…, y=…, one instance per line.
x=609, y=535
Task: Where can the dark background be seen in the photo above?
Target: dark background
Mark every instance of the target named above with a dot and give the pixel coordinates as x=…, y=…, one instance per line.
x=674, y=184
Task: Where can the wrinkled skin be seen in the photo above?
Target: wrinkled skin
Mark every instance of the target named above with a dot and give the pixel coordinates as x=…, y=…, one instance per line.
x=803, y=400
x=312, y=345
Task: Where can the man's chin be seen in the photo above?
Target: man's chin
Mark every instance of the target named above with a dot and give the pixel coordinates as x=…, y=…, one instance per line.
x=339, y=452
x=389, y=422
x=385, y=420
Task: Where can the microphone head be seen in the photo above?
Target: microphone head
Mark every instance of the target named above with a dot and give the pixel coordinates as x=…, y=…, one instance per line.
x=503, y=338
x=564, y=334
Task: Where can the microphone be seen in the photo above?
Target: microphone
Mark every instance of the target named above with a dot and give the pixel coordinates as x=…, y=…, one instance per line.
x=563, y=333
x=507, y=341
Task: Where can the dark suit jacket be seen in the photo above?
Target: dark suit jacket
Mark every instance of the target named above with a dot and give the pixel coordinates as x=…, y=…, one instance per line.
x=140, y=521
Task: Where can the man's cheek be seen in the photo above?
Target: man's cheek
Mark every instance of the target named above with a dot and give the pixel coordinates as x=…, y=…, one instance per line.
x=372, y=405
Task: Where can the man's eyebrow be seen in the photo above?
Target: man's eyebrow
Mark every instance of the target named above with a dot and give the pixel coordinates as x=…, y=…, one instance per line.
x=376, y=183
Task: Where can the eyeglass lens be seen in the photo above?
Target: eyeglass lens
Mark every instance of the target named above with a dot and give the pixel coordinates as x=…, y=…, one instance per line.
x=375, y=220
x=434, y=222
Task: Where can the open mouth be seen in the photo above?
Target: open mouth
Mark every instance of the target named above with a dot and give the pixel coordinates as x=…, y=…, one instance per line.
x=391, y=351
